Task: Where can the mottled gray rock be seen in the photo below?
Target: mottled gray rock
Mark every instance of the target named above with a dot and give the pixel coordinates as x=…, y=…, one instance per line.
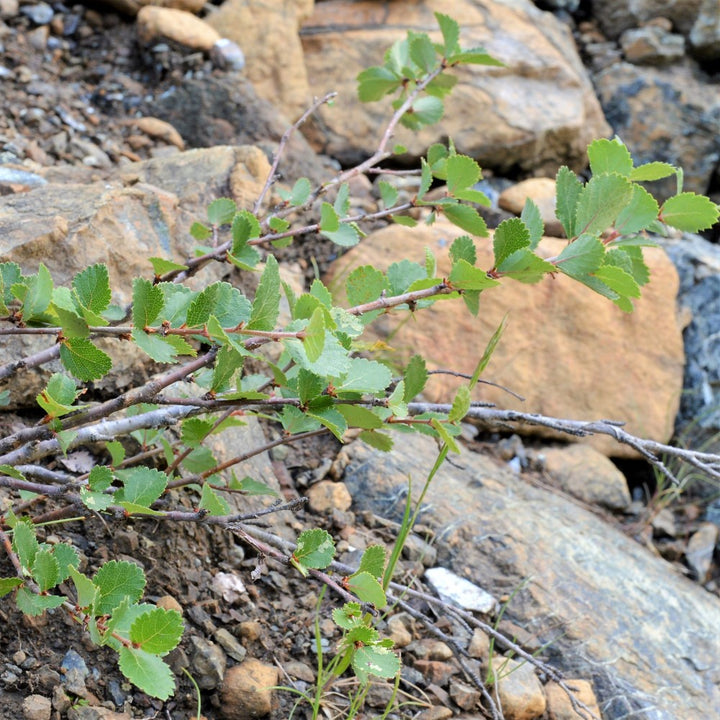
x=652, y=45
x=670, y=114
x=701, y=548
x=614, y=16
x=207, y=663
x=705, y=33
x=610, y=610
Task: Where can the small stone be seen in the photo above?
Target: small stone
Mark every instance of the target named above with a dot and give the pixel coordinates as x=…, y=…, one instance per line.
x=416, y=549
x=229, y=586
x=40, y=13
x=9, y=9
x=156, y=128
x=399, y=633
x=38, y=38
x=230, y=645
x=157, y=23
x=558, y=703
x=435, y=671
x=227, y=55
x=246, y=691
x=463, y=695
x=75, y=671
x=250, y=630
x=479, y=646
x=542, y=192
x=19, y=657
x=60, y=699
x=37, y=707
x=168, y=602
x=300, y=670
x=664, y=523
x=520, y=692
x=435, y=713
x=456, y=589
x=588, y=475
x=438, y=650
x=700, y=550
x=652, y=45
x=326, y=496
x=207, y=663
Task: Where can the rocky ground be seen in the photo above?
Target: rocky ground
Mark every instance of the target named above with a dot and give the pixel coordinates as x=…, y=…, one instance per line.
x=80, y=110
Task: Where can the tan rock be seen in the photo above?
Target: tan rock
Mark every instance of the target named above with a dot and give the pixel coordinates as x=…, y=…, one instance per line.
x=570, y=352
x=479, y=645
x=249, y=175
x=542, y=192
x=436, y=712
x=326, y=496
x=559, y=706
x=160, y=129
x=537, y=112
x=180, y=26
x=267, y=32
x=246, y=691
x=588, y=475
x=520, y=692
x=464, y=696
x=36, y=707
x=168, y=602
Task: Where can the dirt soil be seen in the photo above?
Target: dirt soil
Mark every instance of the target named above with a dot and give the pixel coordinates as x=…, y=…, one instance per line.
x=95, y=83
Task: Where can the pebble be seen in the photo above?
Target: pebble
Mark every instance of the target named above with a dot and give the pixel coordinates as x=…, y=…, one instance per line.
x=559, y=705
x=40, y=13
x=398, y=632
x=246, y=690
x=519, y=690
x=230, y=645
x=227, y=55
x=36, y=707
x=479, y=646
x=300, y=670
x=435, y=713
x=207, y=663
x=326, y=496
x=154, y=23
x=168, y=602
x=455, y=589
x=700, y=550
x=463, y=695
x=435, y=671
x=75, y=671
x=229, y=586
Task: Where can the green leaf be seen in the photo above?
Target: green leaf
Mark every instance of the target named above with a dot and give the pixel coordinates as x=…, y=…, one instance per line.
x=451, y=34
x=195, y=430
x=639, y=214
x=618, y=280
x=465, y=276
x=300, y=192
x=309, y=386
x=333, y=360
x=474, y=56
x=373, y=561
x=600, y=202
x=461, y=404
x=466, y=218
x=526, y=267
x=388, y=193
x=7, y=585
x=511, y=235
x=266, y=306
x=249, y=486
x=296, y=421
x=380, y=441
x=346, y=235
x=157, y=347
x=425, y=111
x=422, y=52
x=689, y=212
x=463, y=248
x=350, y=615
x=115, y=581
x=396, y=402
x=376, y=82
x=581, y=257
x=38, y=294
x=426, y=178
x=462, y=172
x=652, y=171
x=97, y=501
x=148, y=301
x=360, y=417
x=366, y=587
x=200, y=232
x=364, y=376
x=68, y=318
x=25, y=543
x=364, y=285
x=221, y=211
x=85, y=361
x=142, y=486
x=148, y=672
x=222, y=300
x=58, y=397
x=415, y=377
x=401, y=275
x=10, y=274
x=158, y=631
x=315, y=549
x=609, y=156
x=161, y=266
x=568, y=188
x=200, y=460
x=442, y=431
x=342, y=201
x=278, y=224
x=67, y=558
x=329, y=220
x=92, y=288
x=632, y=262
x=45, y=570
x=85, y=589
x=533, y=222
x=32, y=604
x=117, y=452
x=375, y=660
x=212, y=502
x=332, y=420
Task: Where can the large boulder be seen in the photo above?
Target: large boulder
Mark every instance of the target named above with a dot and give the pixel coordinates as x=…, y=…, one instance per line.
x=670, y=114
x=600, y=604
x=535, y=114
x=568, y=351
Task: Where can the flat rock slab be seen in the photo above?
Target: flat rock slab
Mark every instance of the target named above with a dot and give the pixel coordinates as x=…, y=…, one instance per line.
x=611, y=612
